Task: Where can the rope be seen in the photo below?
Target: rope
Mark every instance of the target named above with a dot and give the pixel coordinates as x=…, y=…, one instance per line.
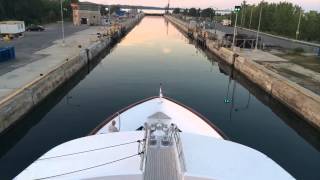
x=81, y=152
x=92, y=167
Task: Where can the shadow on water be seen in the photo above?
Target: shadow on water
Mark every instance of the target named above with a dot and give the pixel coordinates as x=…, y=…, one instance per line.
x=304, y=129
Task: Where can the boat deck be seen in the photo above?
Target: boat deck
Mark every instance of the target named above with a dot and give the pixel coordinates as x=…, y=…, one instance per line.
x=161, y=164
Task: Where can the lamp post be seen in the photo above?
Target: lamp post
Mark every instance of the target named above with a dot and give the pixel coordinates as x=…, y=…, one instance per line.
x=243, y=12
x=109, y=14
x=215, y=18
x=298, y=28
x=62, y=23
x=257, y=39
x=215, y=21
x=236, y=9
x=250, y=17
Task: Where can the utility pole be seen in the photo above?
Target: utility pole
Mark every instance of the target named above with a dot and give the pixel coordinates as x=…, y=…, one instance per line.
x=243, y=12
x=236, y=9
x=215, y=21
x=298, y=28
x=62, y=23
x=250, y=17
x=257, y=39
x=168, y=7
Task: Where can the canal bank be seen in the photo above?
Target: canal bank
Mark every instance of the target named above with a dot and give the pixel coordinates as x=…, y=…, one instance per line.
x=24, y=88
x=301, y=100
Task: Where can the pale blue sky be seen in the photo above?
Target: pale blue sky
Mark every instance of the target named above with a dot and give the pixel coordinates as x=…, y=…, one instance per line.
x=221, y=4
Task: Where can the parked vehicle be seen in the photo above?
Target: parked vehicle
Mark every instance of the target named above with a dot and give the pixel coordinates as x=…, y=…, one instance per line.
x=35, y=28
x=192, y=24
x=226, y=22
x=12, y=28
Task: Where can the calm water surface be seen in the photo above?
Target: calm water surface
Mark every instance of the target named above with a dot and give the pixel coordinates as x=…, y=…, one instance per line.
x=156, y=52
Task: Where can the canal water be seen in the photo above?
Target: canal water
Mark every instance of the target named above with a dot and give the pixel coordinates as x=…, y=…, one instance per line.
x=156, y=52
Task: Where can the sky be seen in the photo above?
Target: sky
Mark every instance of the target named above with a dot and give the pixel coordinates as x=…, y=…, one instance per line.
x=221, y=4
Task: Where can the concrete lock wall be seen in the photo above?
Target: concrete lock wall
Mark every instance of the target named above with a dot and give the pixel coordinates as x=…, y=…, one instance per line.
x=13, y=107
x=301, y=100
x=20, y=102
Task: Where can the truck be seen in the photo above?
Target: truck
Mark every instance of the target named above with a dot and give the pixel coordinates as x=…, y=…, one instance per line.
x=192, y=26
x=226, y=22
x=12, y=28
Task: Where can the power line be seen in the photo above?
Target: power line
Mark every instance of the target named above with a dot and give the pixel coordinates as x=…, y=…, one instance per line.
x=81, y=152
x=92, y=167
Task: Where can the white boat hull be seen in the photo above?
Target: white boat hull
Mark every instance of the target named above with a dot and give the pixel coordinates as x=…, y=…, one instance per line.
x=186, y=146
x=134, y=116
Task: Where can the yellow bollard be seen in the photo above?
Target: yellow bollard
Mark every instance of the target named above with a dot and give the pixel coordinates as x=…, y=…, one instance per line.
x=6, y=38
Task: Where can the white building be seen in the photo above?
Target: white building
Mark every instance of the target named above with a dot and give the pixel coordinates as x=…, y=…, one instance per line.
x=86, y=13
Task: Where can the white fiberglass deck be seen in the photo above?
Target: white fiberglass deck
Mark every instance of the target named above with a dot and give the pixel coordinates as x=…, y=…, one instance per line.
x=124, y=169
x=210, y=158
x=205, y=158
x=205, y=154
x=161, y=164
x=186, y=120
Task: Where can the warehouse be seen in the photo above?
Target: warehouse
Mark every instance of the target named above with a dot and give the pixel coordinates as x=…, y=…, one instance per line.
x=86, y=13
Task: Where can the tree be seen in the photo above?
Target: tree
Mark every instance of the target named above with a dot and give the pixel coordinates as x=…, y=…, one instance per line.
x=192, y=12
x=185, y=12
x=176, y=11
x=310, y=26
x=208, y=12
x=103, y=10
x=34, y=11
x=114, y=8
x=281, y=19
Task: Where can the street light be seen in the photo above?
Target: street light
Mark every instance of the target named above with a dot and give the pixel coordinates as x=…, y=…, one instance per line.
x=62, y=23
x=243, y=16
x=250, y=17
x=215, y=18
x=298, y=28
x=257, y=39
x=236, y=10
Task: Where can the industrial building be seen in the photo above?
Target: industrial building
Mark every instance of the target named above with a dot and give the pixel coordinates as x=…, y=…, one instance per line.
x=86, y=13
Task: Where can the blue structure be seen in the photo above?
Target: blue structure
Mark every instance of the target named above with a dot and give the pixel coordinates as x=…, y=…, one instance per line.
x=318, y=51
x=7, y=53
x=120, y=13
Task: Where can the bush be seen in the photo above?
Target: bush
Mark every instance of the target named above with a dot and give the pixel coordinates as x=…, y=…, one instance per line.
x=298, y=50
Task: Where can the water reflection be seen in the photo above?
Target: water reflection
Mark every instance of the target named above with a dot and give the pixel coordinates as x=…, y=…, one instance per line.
x=304, y=129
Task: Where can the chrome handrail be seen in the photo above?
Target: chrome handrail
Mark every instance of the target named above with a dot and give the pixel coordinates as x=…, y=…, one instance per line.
x=144, y=147
x=178, y=143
